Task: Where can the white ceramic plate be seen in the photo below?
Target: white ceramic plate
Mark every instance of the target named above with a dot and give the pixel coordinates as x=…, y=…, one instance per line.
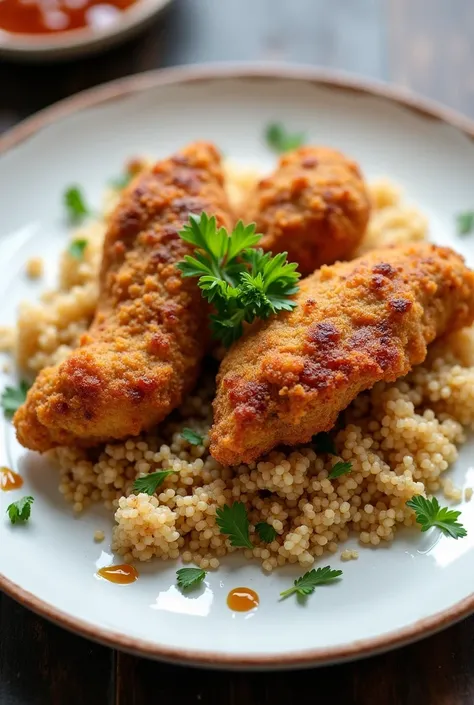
x=79, y=42
x=388, y=596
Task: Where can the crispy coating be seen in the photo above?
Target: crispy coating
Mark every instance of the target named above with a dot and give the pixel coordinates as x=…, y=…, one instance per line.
x=144, y=348
x=356, y=323
x=315, y=206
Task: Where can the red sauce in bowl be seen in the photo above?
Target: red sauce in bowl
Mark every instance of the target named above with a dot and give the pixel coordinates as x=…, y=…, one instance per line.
x=53, y=16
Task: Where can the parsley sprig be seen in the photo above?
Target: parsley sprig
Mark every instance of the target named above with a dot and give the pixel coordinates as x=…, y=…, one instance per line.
x=265, y=531
x=465, y=222
x=340, y=468
x=19, y=512
x=13, y=398
x=309, y=581
x=77, y=247
x=192, y=437
x=280, y=140
x=189, y=577
x=233, y=522
x=150, y=483
x=75, y=204
x=429, y=513
x=242, y=283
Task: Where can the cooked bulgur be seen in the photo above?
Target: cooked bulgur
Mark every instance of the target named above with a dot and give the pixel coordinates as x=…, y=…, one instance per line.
x=400, y=439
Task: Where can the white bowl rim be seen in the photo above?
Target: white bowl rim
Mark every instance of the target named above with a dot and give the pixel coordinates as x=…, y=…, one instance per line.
x=125, y=87
x=69, y=40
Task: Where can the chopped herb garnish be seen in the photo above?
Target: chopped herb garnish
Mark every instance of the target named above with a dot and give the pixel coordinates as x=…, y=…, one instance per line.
x=233, y=522
x=324, y=443
x=150, y=483
x=242, y=283
x=266, y=532
x=19, y=512
x=465, y=222
x=189, y=577
x=280, y=140
x=77, y=247
x=13, y=398
x=310, y=580
x=340, y=468
x=429, y=513
x=192, y=437
x=75, y=204
x=121, y=181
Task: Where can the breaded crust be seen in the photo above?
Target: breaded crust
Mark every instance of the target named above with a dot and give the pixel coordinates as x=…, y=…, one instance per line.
x=315, y=206
x=356, y=323
x=144, y=348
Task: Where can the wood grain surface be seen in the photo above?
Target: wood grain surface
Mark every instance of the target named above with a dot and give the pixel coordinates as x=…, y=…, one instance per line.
x=423, y=44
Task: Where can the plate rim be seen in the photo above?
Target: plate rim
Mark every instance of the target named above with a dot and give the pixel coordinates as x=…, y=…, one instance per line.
x=183, y=75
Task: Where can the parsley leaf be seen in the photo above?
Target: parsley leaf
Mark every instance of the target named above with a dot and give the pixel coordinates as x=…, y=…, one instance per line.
x=233, y=522
x=150, y=483
x=120, y=182
x=14, y=397
x=279, y=140
x=77, y=247
x=75, y=204
x=192, y=437
x=340, y=468
x=19, y=512
x=324, y=443
x=266, y=532
x=310, y=580
x=429, y=513
x=465, y=222
x=240, y=282
x=189, y=577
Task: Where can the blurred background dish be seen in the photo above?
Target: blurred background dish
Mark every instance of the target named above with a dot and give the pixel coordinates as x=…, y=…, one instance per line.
x=63, y=29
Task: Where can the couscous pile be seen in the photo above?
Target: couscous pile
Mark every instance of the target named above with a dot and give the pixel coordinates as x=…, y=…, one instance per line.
x=400, y=438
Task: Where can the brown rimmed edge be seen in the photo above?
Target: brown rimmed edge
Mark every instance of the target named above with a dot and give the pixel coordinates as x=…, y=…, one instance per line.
x=124, y=88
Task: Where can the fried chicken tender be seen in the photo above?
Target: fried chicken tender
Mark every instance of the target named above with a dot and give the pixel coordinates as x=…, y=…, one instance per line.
x=315, y=206
x=356, y=323
x=143, y=351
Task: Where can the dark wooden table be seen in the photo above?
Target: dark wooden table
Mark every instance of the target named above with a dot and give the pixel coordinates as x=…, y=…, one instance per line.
x=424, y=44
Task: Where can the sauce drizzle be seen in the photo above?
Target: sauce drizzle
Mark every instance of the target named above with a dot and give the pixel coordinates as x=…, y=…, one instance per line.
x=242, y=599
x=10, y=480
x=122, y=574
x=53, y=16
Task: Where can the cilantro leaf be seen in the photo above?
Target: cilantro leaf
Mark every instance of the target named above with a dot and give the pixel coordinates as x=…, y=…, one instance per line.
x=465, y=222
x=233, y=522
x=340, y=468
x=266, y=532
x=77, y=247
x=120, y=182
x=280, y=140
x=19, y=512
x=324, y=443
x=310, y=580
x=150, y=483
x=13, y=398
x=242, y=283
x=429, y=513
x=75, y=204
x=189, y=577
x=192, y=437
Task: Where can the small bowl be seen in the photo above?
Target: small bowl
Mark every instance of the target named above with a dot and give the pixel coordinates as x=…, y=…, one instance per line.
x=79, y=42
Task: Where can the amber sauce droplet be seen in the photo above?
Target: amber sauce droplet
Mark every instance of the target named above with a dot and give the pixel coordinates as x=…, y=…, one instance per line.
x=10, y=480
x=123, y=574
x=242, y=599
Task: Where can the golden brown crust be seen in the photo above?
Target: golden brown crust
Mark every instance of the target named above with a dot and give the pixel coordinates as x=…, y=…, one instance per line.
x=315, y=206
x=356, y=323
x=143, y=350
